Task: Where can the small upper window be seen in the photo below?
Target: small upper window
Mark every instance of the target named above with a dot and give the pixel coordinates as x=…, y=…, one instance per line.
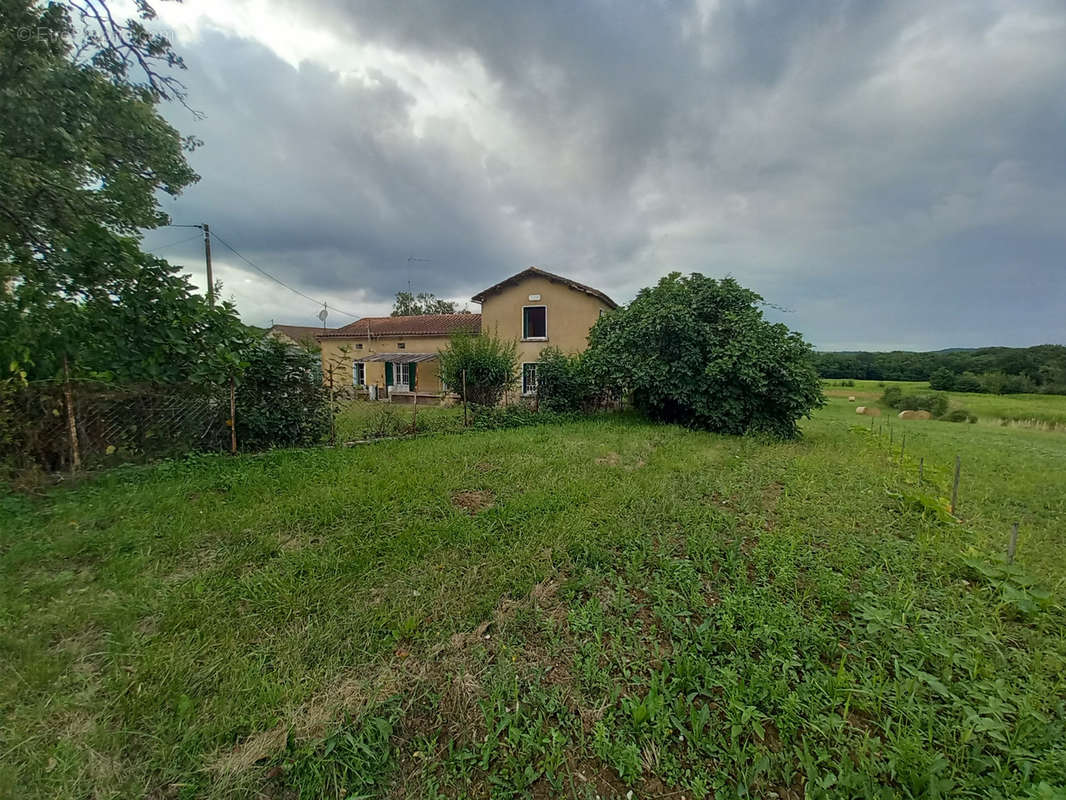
x=358, y=345
x=401, y=345
x=535, y=322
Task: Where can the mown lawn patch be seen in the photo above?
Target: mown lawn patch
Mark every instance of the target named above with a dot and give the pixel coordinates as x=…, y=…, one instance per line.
x=640, y=608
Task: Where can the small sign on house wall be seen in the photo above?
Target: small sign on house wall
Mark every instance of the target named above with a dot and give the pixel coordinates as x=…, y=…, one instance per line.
x=534, y=297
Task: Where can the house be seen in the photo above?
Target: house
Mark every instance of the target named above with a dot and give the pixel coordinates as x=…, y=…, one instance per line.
x=302, y=335
x=399, y=355
x=541, y=309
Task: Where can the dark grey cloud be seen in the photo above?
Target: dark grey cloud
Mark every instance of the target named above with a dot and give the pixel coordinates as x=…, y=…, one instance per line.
x=891, y=172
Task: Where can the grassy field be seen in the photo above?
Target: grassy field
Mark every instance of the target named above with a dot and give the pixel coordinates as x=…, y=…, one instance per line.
x=1038, y=410
x=578, y=610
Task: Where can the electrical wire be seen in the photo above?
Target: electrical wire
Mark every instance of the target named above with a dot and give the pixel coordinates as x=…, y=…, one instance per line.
x=172, y=244
x=255, y=266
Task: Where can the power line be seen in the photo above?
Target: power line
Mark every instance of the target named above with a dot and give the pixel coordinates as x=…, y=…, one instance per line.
x=255, y=266
x=172, y=244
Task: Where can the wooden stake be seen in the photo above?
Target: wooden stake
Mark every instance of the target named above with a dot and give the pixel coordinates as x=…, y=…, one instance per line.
x=232, y=416
x=955, y=485
x=465, y=421
x=1012, y=545
x=414, y=412
x=72, y=426
x=921, y=469
x=902, y=448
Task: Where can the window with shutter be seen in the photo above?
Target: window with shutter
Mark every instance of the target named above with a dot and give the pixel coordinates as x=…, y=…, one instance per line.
x=534, y=322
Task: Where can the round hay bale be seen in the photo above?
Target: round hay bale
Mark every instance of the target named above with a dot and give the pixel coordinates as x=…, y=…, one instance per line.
x=860, y=409
x=869, y=411
x=909, y=414
x=851, y=399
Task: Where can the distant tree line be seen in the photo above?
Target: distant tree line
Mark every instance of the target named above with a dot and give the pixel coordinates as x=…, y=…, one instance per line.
x=998, y=370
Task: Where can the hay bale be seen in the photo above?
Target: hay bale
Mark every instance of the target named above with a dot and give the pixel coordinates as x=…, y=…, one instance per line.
x=914, y=415
x=860, y=409
x=869, y=411
x=851, y=399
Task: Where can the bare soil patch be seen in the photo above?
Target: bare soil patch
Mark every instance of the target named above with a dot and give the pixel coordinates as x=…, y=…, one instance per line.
x=474, y=501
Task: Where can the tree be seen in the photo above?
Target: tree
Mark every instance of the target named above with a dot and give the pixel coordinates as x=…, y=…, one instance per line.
x=409, y=305
x=697, y=351
x=490, y=365
x=281, y=401
x=84, y=155
x=942, y=380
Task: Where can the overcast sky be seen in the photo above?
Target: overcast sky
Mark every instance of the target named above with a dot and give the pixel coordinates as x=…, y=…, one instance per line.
x=891, y=175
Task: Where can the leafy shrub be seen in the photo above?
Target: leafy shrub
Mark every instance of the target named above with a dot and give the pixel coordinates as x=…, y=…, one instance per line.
x=1017, y=384
x=281, y=401
x=891, y=396
x=1000, y=383
x=943, y=380
x=968, y=382
x=565, y=383
x=697, y=351
x=385, y=421
x=490, y=363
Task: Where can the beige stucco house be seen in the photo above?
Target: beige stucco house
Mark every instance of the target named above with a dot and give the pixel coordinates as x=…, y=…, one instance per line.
x=399, y=355
x=540, y=309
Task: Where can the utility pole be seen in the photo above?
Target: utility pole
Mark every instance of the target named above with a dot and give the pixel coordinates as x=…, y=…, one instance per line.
x=207, y=256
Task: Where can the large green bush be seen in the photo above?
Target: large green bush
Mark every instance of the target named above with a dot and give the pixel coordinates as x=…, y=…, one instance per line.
x=281, y=401
x=697, y=351
x=564, y=383
x=968, y=382
x=943, y=380
x=490, y=363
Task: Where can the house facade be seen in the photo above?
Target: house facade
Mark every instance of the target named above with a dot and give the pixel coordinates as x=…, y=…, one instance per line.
x=539, y=309
x=399, y=356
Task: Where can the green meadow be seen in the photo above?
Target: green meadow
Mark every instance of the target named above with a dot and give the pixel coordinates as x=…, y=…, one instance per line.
x=1039, y=410
x=577, y=610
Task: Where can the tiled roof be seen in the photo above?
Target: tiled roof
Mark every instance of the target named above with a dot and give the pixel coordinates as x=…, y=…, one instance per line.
x=534, y=272
x=418, y=325
x=300, y=333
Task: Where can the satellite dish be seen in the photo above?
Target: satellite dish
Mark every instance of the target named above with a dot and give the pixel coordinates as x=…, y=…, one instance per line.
x=323, y=314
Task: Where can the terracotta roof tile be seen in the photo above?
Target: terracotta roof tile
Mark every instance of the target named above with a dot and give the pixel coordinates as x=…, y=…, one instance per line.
x=300, y=333
x=418, y=325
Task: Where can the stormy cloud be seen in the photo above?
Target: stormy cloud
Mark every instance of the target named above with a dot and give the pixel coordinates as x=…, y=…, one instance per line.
x=889, y=175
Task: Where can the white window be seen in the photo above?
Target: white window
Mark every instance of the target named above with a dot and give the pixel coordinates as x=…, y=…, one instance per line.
x=534, y=322
x=529, y=378
x=358, y=374
x=401, y=375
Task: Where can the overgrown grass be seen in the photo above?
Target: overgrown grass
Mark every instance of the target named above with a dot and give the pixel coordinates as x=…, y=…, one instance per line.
x=569, y=610
x=362, y=420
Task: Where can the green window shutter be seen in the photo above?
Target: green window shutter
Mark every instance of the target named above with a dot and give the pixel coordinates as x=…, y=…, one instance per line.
x=388, y=373
x=413, y=365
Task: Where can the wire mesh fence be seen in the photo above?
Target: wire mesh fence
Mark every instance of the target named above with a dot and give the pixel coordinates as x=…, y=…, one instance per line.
x=56, y=426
